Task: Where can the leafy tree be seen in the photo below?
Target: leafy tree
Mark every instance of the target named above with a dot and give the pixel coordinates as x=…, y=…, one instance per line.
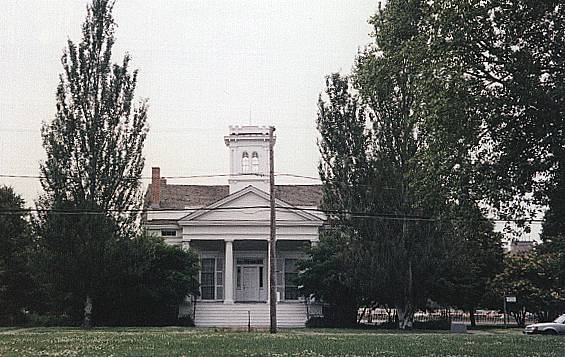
x=153, y=279
x=391, y=77
x=333, y=275
x=533, y=278
x=474, y=258
x=346, y=172
x=16, y=283
x=513, y=50
x=445, y=183
x=511, y=57
x=553, y=233
x=405, y=149
x=94, y=162
x=555, y=245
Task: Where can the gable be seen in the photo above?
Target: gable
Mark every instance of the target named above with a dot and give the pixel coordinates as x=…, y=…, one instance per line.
x=249, y=204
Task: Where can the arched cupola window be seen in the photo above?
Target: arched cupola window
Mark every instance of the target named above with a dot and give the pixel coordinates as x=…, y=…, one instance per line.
x=255, y=162
x=245, y=162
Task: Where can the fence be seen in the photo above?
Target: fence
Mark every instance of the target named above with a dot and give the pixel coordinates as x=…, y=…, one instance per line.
x=482, y=317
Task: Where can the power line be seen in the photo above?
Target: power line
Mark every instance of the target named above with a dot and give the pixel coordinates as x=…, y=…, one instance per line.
x=349, y=214
x=298, y=176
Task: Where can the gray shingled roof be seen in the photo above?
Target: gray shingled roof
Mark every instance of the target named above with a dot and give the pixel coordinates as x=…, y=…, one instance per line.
x=300, y=195
x=181, y=196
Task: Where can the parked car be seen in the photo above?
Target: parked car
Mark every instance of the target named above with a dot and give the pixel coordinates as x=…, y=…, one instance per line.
x=549, y=328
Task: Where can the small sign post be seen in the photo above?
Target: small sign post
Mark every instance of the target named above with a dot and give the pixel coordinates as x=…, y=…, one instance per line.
x=506, y=300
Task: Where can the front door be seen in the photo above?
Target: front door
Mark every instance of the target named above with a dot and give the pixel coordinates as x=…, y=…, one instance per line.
x=250, y=283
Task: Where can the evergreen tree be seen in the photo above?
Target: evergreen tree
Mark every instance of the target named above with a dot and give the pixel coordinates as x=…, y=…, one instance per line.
x=16, y=283
x=91, y=176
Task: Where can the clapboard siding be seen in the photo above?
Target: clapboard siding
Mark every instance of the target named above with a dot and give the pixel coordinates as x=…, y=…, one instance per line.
x=238, y=315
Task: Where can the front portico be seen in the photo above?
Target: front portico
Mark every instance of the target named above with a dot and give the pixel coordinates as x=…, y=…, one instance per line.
x=234, y=253
x=244, y=298
x=247, y=263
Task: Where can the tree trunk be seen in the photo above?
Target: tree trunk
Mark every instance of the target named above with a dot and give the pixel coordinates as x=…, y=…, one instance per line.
x=405, y=316
x=406, y=310
x=362, y=315
x=519, y=317
x=472, y=317
x=87, y=322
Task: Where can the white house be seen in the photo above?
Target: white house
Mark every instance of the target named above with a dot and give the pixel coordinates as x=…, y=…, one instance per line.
x=228, y=226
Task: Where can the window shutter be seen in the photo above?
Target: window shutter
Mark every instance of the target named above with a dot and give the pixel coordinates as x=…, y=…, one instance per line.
x=280, y=277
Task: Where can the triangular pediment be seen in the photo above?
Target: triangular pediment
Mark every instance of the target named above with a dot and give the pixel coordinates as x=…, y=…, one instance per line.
x=249, y=204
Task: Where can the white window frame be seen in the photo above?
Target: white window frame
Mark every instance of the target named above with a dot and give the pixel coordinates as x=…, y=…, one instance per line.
x=219, y=271
x=255, y=162
x=245, y=167
x=169, y=231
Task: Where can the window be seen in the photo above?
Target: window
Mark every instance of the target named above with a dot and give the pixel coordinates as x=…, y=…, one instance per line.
x=290, y=279
x=212, y=279
x=255, y=162
x=207, y=279
x=245, y=162
x=168, y=233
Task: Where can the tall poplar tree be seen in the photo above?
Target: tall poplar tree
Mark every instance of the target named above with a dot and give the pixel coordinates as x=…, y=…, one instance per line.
x=91, y=176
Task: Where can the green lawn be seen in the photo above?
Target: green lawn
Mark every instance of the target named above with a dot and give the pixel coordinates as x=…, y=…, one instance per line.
x=309, y=342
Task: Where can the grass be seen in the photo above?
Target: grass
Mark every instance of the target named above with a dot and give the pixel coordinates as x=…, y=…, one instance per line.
x=300, y=342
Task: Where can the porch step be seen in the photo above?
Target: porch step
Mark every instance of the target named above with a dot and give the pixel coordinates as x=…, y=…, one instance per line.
x=218, y=314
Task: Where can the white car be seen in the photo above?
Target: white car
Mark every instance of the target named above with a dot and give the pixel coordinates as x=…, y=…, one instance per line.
x=549, y=328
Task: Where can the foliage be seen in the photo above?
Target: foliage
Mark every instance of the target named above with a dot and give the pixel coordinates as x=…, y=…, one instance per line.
x=513, y=50
x=331, y=276
x=144, y=283
x=401, y=145
x=333, y=272
x=473, y=259
x=556, y=245
x=91, y=176
x=533, y=278
x=152, y=280
x=94, y=144
x=16, y=280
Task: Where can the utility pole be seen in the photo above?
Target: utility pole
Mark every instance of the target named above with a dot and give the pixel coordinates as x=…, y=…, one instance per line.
x=273, y=237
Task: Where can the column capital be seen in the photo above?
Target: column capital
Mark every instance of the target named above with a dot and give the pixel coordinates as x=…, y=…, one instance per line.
x=230, y=240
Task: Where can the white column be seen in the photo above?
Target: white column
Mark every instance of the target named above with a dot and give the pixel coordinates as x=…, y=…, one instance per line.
x=228, y=274
x=185, y=244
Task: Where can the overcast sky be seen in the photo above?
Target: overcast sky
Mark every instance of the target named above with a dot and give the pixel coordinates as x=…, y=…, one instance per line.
x=203, y=65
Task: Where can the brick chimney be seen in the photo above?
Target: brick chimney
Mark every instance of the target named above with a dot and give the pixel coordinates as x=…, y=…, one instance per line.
x=155, y=187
